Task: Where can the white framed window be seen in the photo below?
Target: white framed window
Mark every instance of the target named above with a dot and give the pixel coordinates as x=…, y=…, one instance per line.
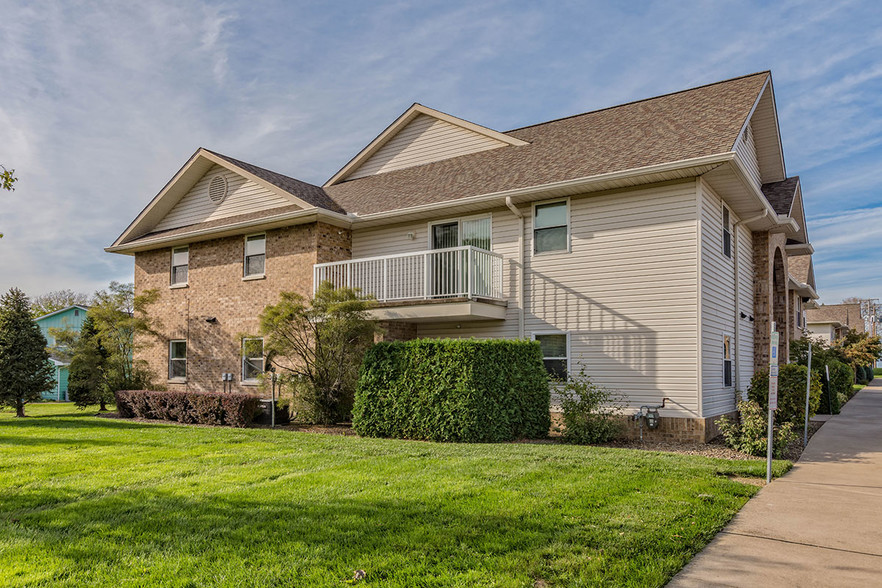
x=177, y=360
x=252, y=359
x=180, y=264
x=474, y=231
x=727, y=361
x=551, y=226
x=555, y=347
x=727, y=233
x=255, y=255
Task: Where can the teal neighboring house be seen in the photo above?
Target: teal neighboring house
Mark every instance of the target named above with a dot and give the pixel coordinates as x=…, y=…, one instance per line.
x=71, y=318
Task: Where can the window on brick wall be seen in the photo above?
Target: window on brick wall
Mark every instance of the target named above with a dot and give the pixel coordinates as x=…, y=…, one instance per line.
x=255, y=255
x=177, y=360
x=252, y=359
x=180, y=263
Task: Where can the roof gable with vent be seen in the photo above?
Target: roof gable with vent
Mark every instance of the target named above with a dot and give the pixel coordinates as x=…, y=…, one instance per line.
x=185, y=199
x=419, y=136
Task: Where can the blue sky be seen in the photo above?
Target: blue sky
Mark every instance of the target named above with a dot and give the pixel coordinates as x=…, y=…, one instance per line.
x=102, y=102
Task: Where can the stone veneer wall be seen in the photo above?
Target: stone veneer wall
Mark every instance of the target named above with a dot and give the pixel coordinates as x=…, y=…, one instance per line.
x=216, y=289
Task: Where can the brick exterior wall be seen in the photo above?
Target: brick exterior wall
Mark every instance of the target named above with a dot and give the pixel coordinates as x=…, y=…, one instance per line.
x=216, y=289
x=771, y=299
x=671, y=429
x=396, y=331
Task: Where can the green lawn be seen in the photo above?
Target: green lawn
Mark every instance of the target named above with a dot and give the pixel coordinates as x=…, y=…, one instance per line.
x=88, y=501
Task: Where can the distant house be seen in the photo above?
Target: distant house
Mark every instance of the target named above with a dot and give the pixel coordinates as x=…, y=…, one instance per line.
x=70, y=318
x=833, y=321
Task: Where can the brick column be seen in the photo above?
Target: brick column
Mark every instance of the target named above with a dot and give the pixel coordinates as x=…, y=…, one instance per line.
x=762, y=300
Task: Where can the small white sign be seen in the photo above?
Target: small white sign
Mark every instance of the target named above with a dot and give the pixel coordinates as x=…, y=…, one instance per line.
x=773, y=370
x=773, y=393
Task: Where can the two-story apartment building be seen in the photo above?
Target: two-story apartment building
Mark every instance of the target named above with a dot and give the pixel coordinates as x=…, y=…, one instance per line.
x=650, y=242
x=70, y=318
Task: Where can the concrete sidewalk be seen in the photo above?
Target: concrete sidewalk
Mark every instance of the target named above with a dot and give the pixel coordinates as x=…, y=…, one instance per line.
x=820, y=524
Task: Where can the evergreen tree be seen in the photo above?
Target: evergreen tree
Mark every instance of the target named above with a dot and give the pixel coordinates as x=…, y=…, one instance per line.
x=25, y=370
x=86, y=381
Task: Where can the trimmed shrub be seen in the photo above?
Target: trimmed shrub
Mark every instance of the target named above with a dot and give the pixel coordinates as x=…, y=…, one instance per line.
x=453, y=390
x=590, y=412
x=235, y=410
x=841, y=378
x=208, y=410
x=749, y=433
x=791, y=392
x=860, y=375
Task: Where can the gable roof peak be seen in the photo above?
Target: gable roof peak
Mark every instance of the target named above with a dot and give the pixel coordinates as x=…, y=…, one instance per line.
x=490, y=140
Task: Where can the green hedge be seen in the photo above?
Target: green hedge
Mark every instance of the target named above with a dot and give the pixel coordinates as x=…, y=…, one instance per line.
x=791, y=392
x=453, y=390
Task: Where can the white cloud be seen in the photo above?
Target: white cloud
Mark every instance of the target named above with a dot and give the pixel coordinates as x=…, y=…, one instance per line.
x=103, y=101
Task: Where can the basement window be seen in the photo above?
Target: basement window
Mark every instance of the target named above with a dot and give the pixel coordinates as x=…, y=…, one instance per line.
x=252, y=359
x=555, y=353
x=180, y=263
x=727, y=362
x=255, y=255
x=177, y=360
x=727, y=233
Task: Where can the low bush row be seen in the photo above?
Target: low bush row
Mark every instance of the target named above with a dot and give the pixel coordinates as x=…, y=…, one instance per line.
x=204, y=408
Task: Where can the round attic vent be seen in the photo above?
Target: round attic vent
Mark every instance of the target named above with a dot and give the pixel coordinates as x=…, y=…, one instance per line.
x=217, y=189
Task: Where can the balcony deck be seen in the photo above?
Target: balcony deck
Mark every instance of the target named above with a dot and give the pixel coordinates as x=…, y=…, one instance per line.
x=458, y=283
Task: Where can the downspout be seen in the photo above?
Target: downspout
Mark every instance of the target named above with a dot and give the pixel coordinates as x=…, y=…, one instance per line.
x=514, y=209
x=738, y=293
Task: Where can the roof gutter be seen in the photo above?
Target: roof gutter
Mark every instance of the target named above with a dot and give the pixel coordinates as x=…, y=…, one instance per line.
x=298, y=217
x=576, y=185
x=521, y=255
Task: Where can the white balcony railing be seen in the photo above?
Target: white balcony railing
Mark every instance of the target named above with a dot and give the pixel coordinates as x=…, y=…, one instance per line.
x=456, y=272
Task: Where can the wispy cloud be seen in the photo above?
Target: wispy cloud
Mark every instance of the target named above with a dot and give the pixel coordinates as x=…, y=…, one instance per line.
x=102, y=101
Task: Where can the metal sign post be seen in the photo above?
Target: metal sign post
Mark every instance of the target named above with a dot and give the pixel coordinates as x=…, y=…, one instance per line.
x=808, y=393
x=773, y=397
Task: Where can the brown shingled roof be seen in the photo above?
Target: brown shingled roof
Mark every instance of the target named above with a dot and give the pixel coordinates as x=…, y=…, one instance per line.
x=688, y=124
x=800, y=267
x=781, y=194
x=307, y=192
x=845, y=314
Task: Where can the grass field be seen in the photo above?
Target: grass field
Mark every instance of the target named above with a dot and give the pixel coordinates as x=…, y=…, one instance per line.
x=88, y=501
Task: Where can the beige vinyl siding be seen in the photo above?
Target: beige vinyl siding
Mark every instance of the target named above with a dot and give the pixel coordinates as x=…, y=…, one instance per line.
x=424, y=140
x=764, y=123
x=746, y=150
x=243, y=196
x=627, y=293
x=719, y=317
x=746, y=276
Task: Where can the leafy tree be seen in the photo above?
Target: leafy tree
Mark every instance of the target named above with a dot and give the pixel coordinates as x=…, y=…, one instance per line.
x=859, y=349
x=86, y=381
x=25, y=370
x=58, y=299
x=320, y=345
x=7, y=181
x=119, y=317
